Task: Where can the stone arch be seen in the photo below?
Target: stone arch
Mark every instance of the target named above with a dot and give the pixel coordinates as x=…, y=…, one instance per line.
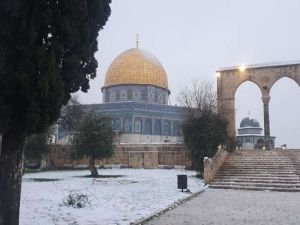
x=245, y=81
x=280, y=78
x=247, y=100
x=284, y=112
x=264, y=75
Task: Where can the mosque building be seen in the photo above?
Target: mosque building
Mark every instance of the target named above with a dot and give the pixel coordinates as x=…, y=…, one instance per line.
x=250, y=135
x=135, y=95
x=148, y=134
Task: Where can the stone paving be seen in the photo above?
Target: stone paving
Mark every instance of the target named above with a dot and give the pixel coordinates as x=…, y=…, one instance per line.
x=235, y=207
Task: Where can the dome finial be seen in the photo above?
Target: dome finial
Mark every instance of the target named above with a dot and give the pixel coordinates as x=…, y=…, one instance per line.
x=137, y=40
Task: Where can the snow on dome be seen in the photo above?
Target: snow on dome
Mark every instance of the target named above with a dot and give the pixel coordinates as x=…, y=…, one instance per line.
x=247, y=122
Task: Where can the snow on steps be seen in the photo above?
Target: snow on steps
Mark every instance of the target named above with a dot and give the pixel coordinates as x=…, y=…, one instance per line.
x=260, y=170
x=294, y=156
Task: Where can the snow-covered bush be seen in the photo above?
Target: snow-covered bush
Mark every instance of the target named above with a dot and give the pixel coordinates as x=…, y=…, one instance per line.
x=76, y=200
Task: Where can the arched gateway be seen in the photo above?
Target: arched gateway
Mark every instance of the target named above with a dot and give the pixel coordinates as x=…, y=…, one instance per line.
x=263, y=75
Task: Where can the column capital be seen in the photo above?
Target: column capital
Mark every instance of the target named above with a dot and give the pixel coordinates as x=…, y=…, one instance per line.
x=266, y=99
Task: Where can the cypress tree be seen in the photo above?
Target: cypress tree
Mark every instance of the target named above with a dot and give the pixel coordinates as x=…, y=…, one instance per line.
x=47, y=52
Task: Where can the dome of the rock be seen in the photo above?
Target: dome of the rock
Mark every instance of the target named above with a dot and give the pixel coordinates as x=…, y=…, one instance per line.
x=136, y=66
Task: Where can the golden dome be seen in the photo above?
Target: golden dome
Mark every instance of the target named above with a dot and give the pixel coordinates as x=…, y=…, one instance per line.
x=136, y=66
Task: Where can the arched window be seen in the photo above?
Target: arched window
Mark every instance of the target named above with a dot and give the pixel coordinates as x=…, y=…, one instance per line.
x=126, y=125
x=129, y=94
x=117, y=95
x=148, y=126
x=107, y=95
x=157, y=127
x=113, y=124
x=167, y=128
x=117, y=124
x=144, y=95
x=164, y=99
x=176, y=131
x=156, y=97
x=138, y=125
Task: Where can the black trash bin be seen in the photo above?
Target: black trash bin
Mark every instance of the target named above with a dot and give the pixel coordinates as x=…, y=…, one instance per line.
x=182, y=182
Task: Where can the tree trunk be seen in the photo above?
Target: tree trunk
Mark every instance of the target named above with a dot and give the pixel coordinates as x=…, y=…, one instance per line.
x=11, y=162
x=94, y=171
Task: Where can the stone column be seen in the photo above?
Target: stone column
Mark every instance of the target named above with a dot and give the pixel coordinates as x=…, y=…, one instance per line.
x=226, y=103
x=226, y=108
x=266, y=101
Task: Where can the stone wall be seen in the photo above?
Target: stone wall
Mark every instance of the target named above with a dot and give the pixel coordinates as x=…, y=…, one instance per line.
x=126, y=155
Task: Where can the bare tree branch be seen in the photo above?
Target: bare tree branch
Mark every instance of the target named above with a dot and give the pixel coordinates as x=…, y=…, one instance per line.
x=201, y=97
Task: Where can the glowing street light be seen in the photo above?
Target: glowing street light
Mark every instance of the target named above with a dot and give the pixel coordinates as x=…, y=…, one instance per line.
x=218, y=74
x=242, y=68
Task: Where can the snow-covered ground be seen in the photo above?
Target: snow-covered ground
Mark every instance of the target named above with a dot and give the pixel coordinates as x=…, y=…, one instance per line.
x=139, y=193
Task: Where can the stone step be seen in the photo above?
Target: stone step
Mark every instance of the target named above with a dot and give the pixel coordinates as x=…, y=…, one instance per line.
x=258, y=166
x=236, y=180
x=245, y=167
x=247, y=172
x=280, y=154
x=263, y=157
x=259, y=162
x=258, y=176
x=253, y=169
x=256, y=184
x=259, y=170
x=265, y=176
x=237, y=187
x=250, y=171
x=260, y=154
x=256, y=155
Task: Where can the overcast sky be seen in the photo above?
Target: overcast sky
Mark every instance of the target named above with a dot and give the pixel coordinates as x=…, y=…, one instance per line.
x=193, y=38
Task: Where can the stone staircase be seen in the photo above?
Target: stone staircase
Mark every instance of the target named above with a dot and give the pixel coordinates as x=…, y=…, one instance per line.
x=294, y=156
x=276, y=170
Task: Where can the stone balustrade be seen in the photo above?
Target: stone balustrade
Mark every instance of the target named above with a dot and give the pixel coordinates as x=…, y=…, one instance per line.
x=212, y=165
